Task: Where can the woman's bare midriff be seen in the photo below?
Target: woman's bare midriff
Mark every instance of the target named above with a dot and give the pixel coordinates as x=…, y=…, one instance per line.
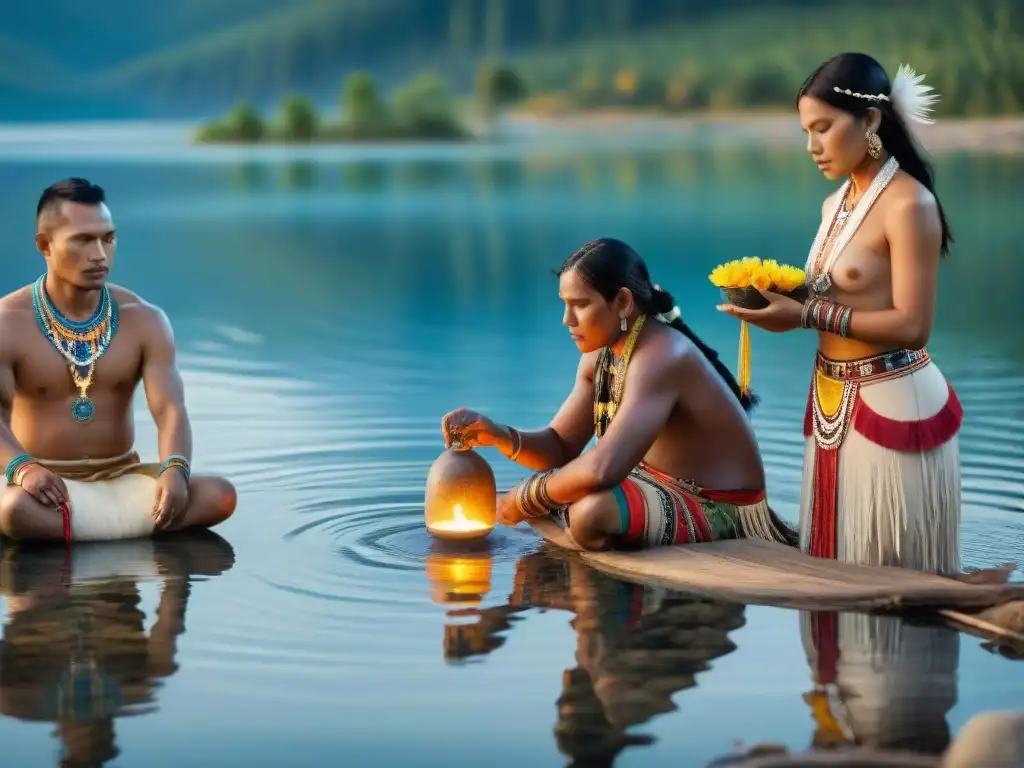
x=838, y=348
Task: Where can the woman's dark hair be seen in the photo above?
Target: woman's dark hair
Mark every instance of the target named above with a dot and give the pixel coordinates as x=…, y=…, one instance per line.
x=609, y=265
x=859, y=73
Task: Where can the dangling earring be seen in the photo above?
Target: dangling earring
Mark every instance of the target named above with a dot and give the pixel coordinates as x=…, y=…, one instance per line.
x=874, y=144
x=623, y=325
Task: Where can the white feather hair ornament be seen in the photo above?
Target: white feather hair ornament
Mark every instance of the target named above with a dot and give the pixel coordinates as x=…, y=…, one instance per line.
x=912, y=100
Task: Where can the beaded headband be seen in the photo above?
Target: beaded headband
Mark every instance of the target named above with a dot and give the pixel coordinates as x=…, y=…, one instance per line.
x=911, y=100
x=870, y=96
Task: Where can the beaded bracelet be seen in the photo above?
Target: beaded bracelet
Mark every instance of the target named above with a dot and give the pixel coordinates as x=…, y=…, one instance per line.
x=827, y=316
x=15, y=464
x=179, y=462
x=517, y=443
x=532, y=497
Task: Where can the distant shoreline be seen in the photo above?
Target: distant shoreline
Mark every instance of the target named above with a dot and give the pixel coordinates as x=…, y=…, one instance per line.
x=997, y=134
x=982, y=135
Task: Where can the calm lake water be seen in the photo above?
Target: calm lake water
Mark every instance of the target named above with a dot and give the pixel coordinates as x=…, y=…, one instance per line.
x=328, y=313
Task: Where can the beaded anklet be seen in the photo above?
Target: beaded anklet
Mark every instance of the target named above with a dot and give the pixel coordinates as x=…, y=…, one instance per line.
x=532, y=497
x=179, y=462
x=827, y=316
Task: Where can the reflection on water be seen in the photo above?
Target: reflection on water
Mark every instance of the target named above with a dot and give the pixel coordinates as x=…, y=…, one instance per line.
x=76, y=652
x=329, y=313
x=880, y=682
x=877, y=681
x=636, y=646
x=298, y=175
x=459, y=574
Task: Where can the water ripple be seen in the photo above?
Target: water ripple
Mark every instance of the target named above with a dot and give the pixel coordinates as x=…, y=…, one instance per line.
x=348, y=582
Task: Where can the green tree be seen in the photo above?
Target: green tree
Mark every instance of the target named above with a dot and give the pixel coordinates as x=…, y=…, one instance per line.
x=244, y=123
x=425, y=107
x=362, y=110
x=497, y=87
x=299, y=119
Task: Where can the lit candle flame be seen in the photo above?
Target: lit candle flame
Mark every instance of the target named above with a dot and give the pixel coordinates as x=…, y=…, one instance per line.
x=459, y=522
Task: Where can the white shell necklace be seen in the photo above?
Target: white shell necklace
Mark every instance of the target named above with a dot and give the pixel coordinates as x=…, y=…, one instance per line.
x=821, y=281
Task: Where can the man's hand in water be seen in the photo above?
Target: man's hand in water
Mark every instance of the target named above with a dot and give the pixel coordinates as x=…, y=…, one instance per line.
x=463, y=429
x=171, y=498
x=44, y=486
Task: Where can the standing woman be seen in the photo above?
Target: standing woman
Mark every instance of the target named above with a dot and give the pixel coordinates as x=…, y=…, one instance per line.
x=881, y=470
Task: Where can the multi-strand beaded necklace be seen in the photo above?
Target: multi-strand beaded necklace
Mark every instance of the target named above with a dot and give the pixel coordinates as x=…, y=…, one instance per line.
x=832, y=239
x=81, y=344
x=610, y=380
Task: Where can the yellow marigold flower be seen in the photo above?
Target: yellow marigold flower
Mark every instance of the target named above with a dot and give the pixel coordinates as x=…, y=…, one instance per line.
x=765, y=274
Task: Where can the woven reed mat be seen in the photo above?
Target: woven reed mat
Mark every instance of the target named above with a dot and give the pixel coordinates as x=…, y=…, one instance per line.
x=752, y=571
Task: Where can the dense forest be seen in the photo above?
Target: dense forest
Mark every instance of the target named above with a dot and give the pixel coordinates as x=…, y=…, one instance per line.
x=197, y=57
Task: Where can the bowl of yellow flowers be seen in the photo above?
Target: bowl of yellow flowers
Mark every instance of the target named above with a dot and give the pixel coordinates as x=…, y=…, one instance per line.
x=742, y=280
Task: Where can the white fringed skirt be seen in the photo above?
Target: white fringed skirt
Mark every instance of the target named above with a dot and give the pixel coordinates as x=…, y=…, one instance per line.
x=881, y=482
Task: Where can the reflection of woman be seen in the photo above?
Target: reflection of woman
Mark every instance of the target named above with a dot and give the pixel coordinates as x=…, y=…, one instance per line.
x=881, y=473
x=637, y=648
x=880, y=682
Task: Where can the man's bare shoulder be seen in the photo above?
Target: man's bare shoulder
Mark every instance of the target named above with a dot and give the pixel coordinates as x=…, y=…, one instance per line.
x=666, y=353
x=18, y=300
x=136, y=311
x=588, y=362
x=126, y=299
x=16, y=311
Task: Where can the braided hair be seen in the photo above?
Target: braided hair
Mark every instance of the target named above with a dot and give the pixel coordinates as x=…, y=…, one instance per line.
x=609, y=265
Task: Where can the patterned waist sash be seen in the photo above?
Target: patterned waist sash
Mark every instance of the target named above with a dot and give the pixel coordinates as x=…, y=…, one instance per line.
x=659, y=509
x=888, y=364
x=98, y=470
x=741, y=498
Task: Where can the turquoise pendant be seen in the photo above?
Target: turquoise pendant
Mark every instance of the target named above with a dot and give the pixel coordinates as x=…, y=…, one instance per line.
x=82, y=409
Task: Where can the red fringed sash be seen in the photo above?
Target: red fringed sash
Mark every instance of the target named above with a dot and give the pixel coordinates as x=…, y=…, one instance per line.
x=823, y=520
x=910, y=436
x=895, y=435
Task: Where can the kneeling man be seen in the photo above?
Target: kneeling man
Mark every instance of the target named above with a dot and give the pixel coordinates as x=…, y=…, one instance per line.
x=676, y=461
x=73, y=350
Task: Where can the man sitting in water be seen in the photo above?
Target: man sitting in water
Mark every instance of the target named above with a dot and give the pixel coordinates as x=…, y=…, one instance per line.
x=663, y=407
x=66, y=437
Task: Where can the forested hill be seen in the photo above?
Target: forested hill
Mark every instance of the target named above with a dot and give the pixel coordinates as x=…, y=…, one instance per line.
x=125, y=58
